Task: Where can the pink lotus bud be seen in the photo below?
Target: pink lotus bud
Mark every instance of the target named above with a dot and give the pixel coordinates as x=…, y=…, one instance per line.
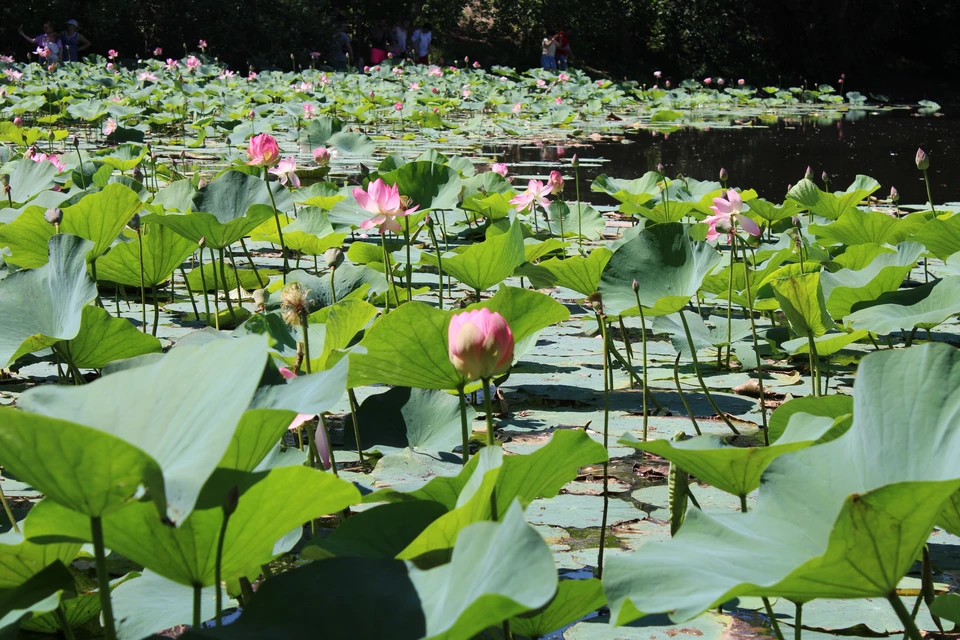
x=112, y=54
x=741, y=82
x=322, y=156
x=724, y=176
x=158, y=51
x=398, y=106
x=707, y=80
x=389, y=56
x=575, y=161
x=500, y=169
x=555, y=182
x=476, y=65
x=480, y=344
x=720, y=82
x=18, y=122
x=53, y=216
x=202, y=44
x=667, y=84
x=657, y=74
x=808, y=175
x=923, y=162
x=323, y=446
x=263, y=151
x=435, y=90
x=894, y=194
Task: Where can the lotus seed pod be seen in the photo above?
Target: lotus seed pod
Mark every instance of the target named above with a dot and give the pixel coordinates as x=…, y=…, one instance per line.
x=260, y=297
x=595, y=301
x=923, y=162
x=333, y=257
x=53, y=216
x=137, y=174
x=134, y=222
x=76, y=142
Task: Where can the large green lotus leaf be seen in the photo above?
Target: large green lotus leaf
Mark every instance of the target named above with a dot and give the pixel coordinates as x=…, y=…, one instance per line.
x=345, y=320
x=859, y=256
x=493, y=206
x=101, y=216
x=347, y=280
x=272, y=504
x=667, y=265
x=380, y=532
x=836, y=407
x=801, y=299
x=425, y=420
x=925, y=306
x=832, y=205
x=637, y=191
x=124, y=158
x=39, y=594
x=39, y=307
x=319, y=131
x=826, y=345
x=735, y=470
x=526, y=311
x=574, y=600
x=940, y=237
x=257, y=434
x=844, y=519
x=29, y=178
x=540, y=474
x=670, y=211
x=103, y=339
x=151, y=603
x=232, y=194
x=78, y=611
x=703, y=336
x=176, y=196
x=27, y=237
x=763, y=211
x=576, y=219
x=311, y=233
x=534, y=250
x=488, y=263
x=206, y=226
x=164, y=250
x=946, y=606
x=352, y=143
x=498, y=570
x=577, y=273
x=855, y=227
x=187, y=438
x=22, y=557
x=429, y=185
x=950, y=517
x=315, y=393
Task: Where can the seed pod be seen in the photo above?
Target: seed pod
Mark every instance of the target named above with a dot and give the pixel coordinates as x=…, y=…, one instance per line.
x=53, y=216
x=134, y=222
x=333, y=257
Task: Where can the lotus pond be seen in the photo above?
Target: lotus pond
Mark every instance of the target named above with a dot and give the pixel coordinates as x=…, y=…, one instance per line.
x=240, y=400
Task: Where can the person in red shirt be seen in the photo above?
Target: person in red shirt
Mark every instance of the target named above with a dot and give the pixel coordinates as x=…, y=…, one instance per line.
x=563, y=49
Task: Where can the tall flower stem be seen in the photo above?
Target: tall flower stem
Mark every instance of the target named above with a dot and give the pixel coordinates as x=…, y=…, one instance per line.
x=606, y=425
x=354, y=409
x=143, y=295
x=646, y=377
x=627, y=348
x=433, y=240
x=488, y=408
x=103, y=578
x=93, y=274
x=226, y=286
x=464, y=427
x=814, y=366
x=683, y=398
x=304, y=329
x=156, y=310
x=7, y=510
x=276, y=216
x=703, y=385
x=60, y=614
x=253, y=265
x=216, y=287
x=756, y=344
x=576, y=180
x=387, y=271
x=773, y=619
x=909, y=626
x=218, y=566
x=206, y=299
x=798, y=620
x=197, y=605
x=733, y=257
x=333, y=283
x=926, y=181
x=407, y=240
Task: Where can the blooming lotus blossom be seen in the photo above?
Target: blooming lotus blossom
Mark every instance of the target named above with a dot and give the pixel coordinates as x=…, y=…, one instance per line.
x=541, y=83
x=305, y=87
x=414, y=86
x=172, y=64
x=466, y=93
x=309, y=111
x=657, y=74
x=517, y=107
x=226, y=74
x=383, y=201
x=555, y=182
x=158, y=52
x=112, y=54
x=6, y=59
x=726, y=211
x=559, y=100
x=58, y=163
x=536, y=194
x=12, y=74
x=315, y=54
x=252, y=75
x=398, y=106
x=741, y=82
x=563, y=77
x=435, y=72
x=499, y=168
x=476, y=65
x=286, y=171
x=707, y=80
x=600, y=83
x=193, y=62
x=203, y=45
x=109, y=127
x=263, y=151
x=324, y=80
x=322, y=156
x=43, y=52
x=480, y=344
x=397, y=71
x=146, y=76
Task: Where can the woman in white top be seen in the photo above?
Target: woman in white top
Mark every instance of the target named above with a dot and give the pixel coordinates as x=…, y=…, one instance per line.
x=548, y=57
x=421, y=39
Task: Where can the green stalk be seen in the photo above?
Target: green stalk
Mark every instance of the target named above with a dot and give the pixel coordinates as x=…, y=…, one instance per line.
x=156, y=311
x=433, y=239
x=103, y=578
x=143, y=295
x=7, y=510
x=226, y=286
x=814, y=366
x=93, y=273
x=627, y=348
x=646, y=377
x=743, y=503
x=216, y=287
x=218, y=567
x=464, y=427
x=773, y=619
x=926, y=181
x=186, y=283
x=253, y=265
x=606, y=430
x=306, y=339
x=354, y=409
x=798, y=620
x=756, y=345
x=488, y=408
x=276, y=216
x=703, y=385
x=733, y=256
x=683, y=398
x=406, y=238
x=333, y=284
x=386, y=270
x=197, y=603
x=60, y=614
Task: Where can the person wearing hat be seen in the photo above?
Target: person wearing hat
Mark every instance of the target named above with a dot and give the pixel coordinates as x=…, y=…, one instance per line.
x=73, y=42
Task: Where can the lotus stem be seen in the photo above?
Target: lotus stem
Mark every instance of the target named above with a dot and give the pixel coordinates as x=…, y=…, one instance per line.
x=433, y=239
x=93, y=273
x=703, y=385
x=236, y=272
x=206, y=300
x=60, y=614
x=333, y=284
x=406, y=238
x=576, y=180
x=646, y=377
x=683, y=398
x=606, y=435
x=7, y=510
x=304, y=328
x=798, y=620
x=756, y=346
x=743, y=503
x=226, y=285
x=276, y=216
x=773, y=618
x=156, y=310
x=103, y=578
x=197, y=603
x=733, y=256
x=464, y=427
x=926, y=181
x=186, y=284
x=814, y=366
x=253, y=265
x=218, y=566
x=143, y=295
x=627, y=348
x=216, y=287
x=488, y=409
x=387, y=272
x=354, y=410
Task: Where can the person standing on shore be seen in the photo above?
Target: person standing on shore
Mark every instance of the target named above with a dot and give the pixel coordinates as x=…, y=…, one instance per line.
x=548, y=56
x=422, y=39
x=73, y=42
x=49, y=41
x=563, y=49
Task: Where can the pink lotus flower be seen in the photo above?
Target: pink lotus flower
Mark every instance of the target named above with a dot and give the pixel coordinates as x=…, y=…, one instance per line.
x=500, y=169
x=146, y=76
x=202, y=44
x=226, y=74
x=110, y=127
x=322, y=156
x=366, y=68
x=158, y=52
x=555, y=182
x=315, y=54
x=563, y=77
x=305, y=87
x=600, y=83
x=435, y=90
x=466, y=93
x=476, y=65
x=58, y=163
x=414, y=86
x=323, y=446
x=720, y=81
x=172, y=64
x=741, y=82
x=324, y=80
x=286, y=171
x=657, y=74
x=517, y=107
x=112, y=54
x=536, y=194
x=707, y=80
x=398, y=106
x=397, y=71
x=193, y=62
x=667, y=84
x=383, y=201
x=263, y=151
x=309, y=111
x=559, y=100
x=18, y=122
x=12, y=74
x=541, y=83
x=252, y=75
x=435, y=72
x=43, y=52
x=480, y=344
x=727, y=211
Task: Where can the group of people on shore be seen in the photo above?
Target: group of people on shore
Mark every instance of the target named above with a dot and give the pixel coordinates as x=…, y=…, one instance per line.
x=54, y=46
x=381, y=42
x=556, y=50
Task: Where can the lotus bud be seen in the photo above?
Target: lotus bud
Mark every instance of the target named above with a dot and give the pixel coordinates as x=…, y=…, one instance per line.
x=723, y=175
x=660, y=168
x=230, y=501
x=555, y=182
x=137, y=174
x=825, y=177
x=18, y=122
x=293, y=302
x=480, y=344
x=321, y=156
x=323, y=446
x=260, y=297
x=923, y=162
x=428, y=221
x=202, y=242
x=53, y=216
x=134, y=222
x=575, y=161
x=76, y=142
x=635, y=286
x=808, y=175
x=894, y=194
x=333, y=257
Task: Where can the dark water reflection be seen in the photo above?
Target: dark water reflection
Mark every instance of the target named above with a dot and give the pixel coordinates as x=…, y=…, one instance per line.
x=770, y=157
